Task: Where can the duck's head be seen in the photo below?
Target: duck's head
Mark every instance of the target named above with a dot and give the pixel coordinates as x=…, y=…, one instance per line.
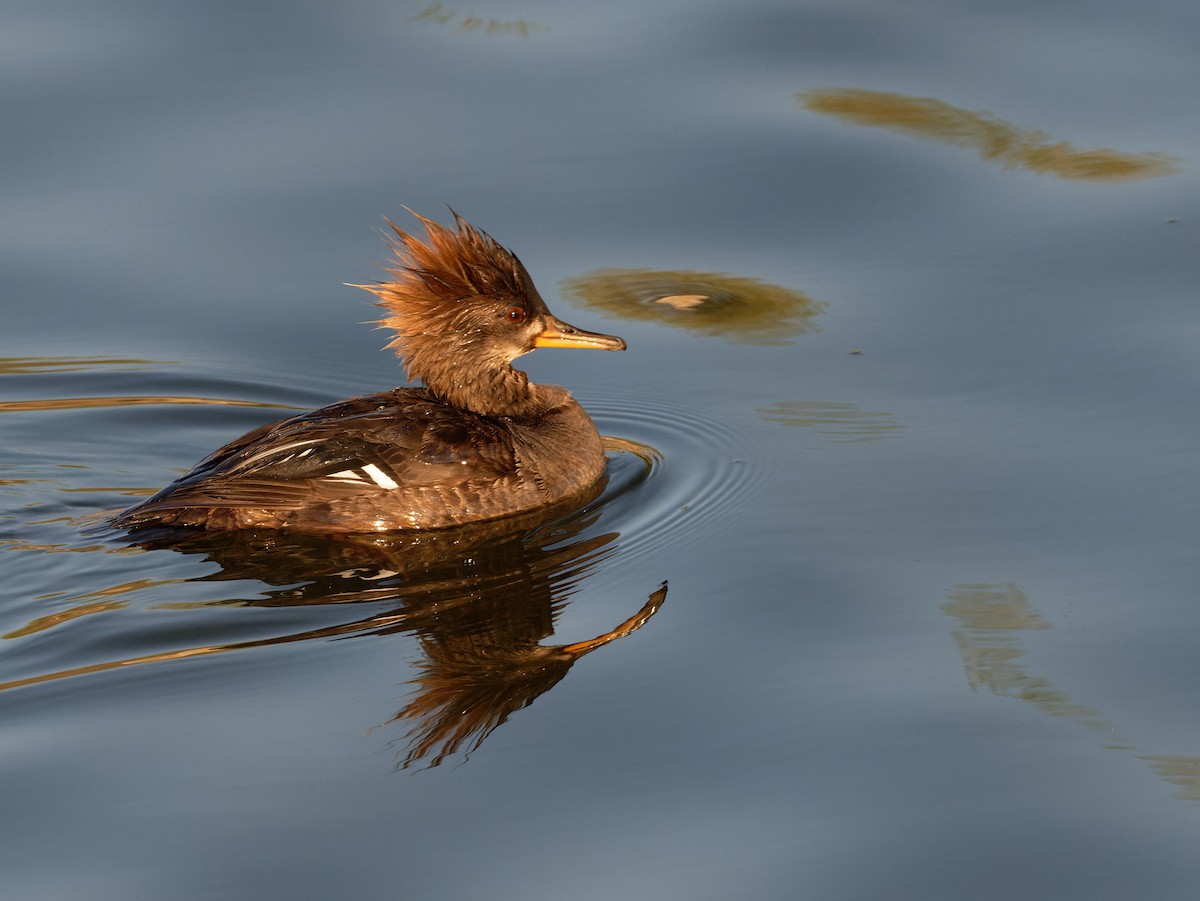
x=463, y=308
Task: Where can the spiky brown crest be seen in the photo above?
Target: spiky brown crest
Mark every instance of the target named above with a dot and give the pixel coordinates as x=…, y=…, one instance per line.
x=433, y=278
x=434, y=291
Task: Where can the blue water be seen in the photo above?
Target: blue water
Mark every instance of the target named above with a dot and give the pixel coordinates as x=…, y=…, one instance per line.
x=928, y=527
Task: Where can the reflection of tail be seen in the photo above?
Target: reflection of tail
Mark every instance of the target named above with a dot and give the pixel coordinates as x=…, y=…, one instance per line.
x=992, y=616
x=466, y=690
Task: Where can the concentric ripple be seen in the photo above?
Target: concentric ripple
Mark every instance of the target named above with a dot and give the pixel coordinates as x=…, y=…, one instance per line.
x=671, y=469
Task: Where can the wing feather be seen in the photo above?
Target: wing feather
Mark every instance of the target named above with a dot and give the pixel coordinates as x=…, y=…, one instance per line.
x=370, y=445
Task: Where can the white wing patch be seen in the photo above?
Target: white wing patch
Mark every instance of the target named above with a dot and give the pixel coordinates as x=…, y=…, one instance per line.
x=379, y=477
x=371, y=471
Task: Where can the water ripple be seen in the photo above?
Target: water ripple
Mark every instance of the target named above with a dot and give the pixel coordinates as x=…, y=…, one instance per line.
x=685, y=465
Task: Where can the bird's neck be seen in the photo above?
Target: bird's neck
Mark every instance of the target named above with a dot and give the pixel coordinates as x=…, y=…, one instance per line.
x=495, y=392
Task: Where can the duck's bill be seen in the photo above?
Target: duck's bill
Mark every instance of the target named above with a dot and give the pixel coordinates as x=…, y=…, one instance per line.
x=559, y=334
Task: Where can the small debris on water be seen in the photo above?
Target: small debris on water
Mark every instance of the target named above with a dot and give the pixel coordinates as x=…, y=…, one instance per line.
x=683, y=301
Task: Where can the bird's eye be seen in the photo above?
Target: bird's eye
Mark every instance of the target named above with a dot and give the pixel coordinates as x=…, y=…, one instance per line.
x=516, y=314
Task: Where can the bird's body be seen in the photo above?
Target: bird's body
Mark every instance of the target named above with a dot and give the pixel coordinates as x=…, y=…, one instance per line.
x=476, y=442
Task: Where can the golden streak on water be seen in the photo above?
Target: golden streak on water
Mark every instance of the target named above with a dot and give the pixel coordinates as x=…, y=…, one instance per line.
x=986, y=608
x=844, y=423
x=13, y=544
x=114, y=664
x=1181, y=772
x=994, y=138
x=468, y=22
x=203, y=651
x=992, y=617
x=78, y=403
x=31, y=365
x=41, y=623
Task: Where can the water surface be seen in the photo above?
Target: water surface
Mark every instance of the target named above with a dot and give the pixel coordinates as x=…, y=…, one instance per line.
x=906, y=424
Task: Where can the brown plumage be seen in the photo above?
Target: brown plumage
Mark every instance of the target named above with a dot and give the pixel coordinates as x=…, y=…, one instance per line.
x=477, y=442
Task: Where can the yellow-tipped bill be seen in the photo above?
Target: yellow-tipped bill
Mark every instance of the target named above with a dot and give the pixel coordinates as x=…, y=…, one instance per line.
x=559, y=334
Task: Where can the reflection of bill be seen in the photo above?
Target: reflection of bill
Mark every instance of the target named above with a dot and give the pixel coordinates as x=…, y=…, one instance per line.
x=740, y=309
x=994, y=138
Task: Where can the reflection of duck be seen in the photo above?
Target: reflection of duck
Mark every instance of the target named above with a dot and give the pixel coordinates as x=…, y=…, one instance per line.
x=477, y=442
x=470, y=685
x=479, y=601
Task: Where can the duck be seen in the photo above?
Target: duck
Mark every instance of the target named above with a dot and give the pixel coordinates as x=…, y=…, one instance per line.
x=472, y=441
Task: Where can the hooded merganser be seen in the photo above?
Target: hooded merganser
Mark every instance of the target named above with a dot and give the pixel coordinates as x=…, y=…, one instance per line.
x=477, y=442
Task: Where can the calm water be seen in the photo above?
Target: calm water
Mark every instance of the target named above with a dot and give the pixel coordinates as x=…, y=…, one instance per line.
x=912, y=439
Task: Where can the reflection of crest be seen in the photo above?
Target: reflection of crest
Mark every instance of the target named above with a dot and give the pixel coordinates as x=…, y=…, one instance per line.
x=994, y=138
x=742, y=310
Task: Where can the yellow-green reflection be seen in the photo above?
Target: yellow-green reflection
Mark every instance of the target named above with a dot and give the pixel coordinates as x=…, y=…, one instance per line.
x=436, y=14
x=992, y=618
x=83, y=403
x=32, y=365
x=842, y=423
x=994, y=138
x=41, y=623
x=742, y=310
x=14, y=544
x=97, y=601
x=1181, y=772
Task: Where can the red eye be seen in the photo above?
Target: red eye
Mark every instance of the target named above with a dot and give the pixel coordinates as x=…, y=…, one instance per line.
x=516, y=314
